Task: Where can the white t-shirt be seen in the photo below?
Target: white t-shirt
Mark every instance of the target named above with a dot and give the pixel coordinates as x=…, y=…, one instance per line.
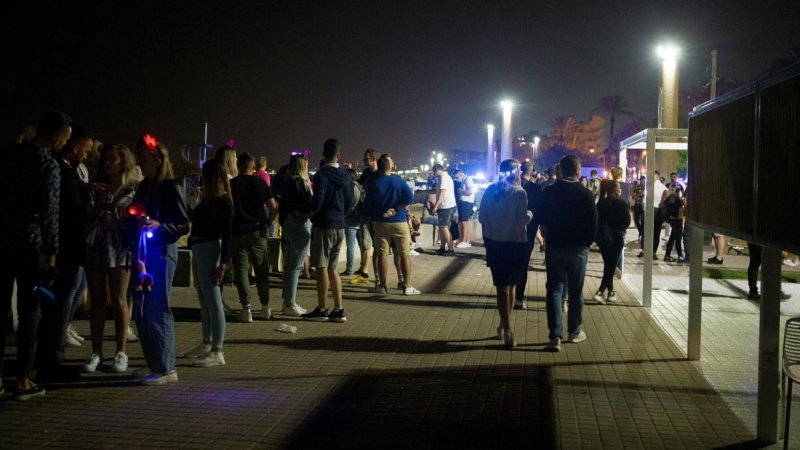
x=468, y=184
x=446, y=183
x=658, y=191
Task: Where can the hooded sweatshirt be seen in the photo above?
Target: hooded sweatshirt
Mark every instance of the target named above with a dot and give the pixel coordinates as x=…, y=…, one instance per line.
x=333, y=197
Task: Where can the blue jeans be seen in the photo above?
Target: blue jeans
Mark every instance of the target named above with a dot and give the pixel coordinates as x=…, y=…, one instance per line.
x=205, y=259
x=297, y=233
x=566, y=266
x=350, y=238
x=151, y=310
x=75, y=302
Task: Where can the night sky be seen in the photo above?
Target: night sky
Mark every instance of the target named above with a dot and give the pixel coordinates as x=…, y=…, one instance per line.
x=405, y=77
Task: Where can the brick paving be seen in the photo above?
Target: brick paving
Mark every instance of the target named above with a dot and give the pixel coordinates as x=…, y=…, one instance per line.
x=404, y=372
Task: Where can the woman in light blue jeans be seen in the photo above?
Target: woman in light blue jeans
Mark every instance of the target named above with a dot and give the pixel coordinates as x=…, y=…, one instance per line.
x=295, y=207
x=351, y=224
x=210, y=241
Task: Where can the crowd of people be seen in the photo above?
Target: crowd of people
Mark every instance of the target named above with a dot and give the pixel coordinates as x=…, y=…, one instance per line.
x=114, y=228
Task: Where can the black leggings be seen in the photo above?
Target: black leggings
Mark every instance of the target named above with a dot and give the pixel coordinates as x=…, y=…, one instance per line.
x=610, y=259
x=675, y=237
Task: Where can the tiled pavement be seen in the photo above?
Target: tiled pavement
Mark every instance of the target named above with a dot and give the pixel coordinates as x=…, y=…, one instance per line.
x=403, y=372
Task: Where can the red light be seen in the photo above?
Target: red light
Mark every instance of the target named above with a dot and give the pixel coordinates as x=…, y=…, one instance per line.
x=136, y=210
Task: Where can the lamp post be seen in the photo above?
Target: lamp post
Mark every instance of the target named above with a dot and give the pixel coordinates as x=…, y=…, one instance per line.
x=667, y=162
x=491, y=164
x=505, y=149
x=591, y=150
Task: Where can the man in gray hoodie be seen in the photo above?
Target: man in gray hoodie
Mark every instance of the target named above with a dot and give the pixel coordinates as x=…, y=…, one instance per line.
x=333, y=199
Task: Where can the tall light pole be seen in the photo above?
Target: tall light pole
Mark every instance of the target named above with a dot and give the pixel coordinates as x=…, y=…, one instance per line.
x=535, y=148
x=505, y=149
x=667, y=161
x=491, y=164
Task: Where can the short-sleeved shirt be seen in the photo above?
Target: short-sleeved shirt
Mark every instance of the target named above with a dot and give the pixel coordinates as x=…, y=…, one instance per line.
x=446, y=182
x=468, y=184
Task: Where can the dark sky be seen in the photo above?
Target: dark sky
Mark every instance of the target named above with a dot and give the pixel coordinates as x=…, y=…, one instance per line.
x=405, y=77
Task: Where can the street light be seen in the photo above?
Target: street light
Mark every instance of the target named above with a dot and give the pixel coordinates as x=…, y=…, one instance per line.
x=505, y=148
x=490, y=162
x=667, y=162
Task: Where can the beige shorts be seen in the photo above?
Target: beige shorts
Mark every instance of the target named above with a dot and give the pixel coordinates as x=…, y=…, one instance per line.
x=386, y=232
x=365, y=232
x=325, y=246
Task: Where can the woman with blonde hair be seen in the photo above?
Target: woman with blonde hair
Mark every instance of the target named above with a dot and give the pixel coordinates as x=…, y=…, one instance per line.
x=227, y=156
x=295, y=213
x=108, y=251
x=210, y=242
x=504, y=216
x=164, y=221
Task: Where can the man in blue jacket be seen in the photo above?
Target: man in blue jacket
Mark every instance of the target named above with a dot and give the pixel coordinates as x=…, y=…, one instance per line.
x=333, y=198
x=567, y=210
x=386, y=200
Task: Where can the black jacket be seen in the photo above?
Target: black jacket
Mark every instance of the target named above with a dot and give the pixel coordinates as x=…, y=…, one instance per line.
x=73, y=215
x=567, y=211
x=333, y=197
x=165, y=203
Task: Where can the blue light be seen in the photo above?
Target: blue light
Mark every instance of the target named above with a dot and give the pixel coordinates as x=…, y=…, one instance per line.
x=149, y=234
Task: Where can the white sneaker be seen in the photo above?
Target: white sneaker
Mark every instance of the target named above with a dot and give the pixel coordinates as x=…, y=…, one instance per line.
x=413, y=246
x=265, y=313
x=210, y=360
x=612, y=296
x=71, y=342
x=71, y=331
x=554, y=345
x=293, y=310
x=520, y=304
x=198, y=352
x=577, y=337
x=410, y=290
x=90, y=366
x=378, y=289
x=245, y=316
x=617, y=273
x=413, y=253
x=564, y=307
x=508, y=338
x=789, y=262
x=598, y=297
x=464, y=245
x=120, y=363
x=157, y=379
x=131, y=337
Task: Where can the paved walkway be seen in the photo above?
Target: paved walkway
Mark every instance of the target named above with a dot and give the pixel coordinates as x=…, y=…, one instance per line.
x=420, y=372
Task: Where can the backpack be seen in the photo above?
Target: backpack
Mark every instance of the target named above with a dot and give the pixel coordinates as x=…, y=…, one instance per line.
x=604, y=236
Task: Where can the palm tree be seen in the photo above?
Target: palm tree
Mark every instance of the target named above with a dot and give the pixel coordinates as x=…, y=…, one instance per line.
x=563, y=129
x=612, y=106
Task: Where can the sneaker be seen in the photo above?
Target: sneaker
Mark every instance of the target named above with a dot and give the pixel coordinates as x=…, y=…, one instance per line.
x=450, y=253
x=198, y=352
x=564, y=307
x=640, y=255
x=265, y=313
x=617, y=273
x=227, y=309
x=414, y=245
x=337, y=316
x=120, y=363
x=71, y=331
x=131, y=337
x=541, y=249
x=211, y=359
x=90, y=366
x=500, y=333
x=346, y=273
x=655, y=257
x=612, y=296
x=27, y=394
x=684, y=261
x=378, y=289
x=317, y=315
x=413, y=253
x=440, y=252
x=520, y=304
x=668, y=259
x=714, y=260
x=410, y=290
x=789, y=262
x=784, y=296
x=140, y=372
x=245, y=316
x=463, y=245
x=598, y=297
x=401, y=285
x=71, y=342
x=293, y=310
x=157, y=379
x=361, y=279
x=554, y=345
x=508, y=339
x=754, y=296
x=577, y=337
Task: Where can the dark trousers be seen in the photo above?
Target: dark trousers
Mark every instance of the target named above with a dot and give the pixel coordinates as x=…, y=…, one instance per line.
x=675, y=236
x=25, y=269
x=610, y=258
x=657, y=224
x=54, y=314
x=755, y=264
x=523, y=282
x=686, y=243
x=638, y=220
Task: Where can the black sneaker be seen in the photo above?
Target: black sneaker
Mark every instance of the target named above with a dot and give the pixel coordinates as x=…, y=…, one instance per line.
x=317, y=315
x=753, y=295
x=541, y=249
x=27, y=394
x=714, y=260
x=337, y=317
x=450, y=253
x=440, y=252
x=401, y=285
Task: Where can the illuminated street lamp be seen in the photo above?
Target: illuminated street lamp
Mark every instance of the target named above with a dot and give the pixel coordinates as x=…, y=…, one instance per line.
x=667, y=162
x=490, y=161
x=505, y=148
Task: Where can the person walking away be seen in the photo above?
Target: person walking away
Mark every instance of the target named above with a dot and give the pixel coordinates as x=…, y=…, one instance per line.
x=532, y=191
x=613, y=220
x=673, y=207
